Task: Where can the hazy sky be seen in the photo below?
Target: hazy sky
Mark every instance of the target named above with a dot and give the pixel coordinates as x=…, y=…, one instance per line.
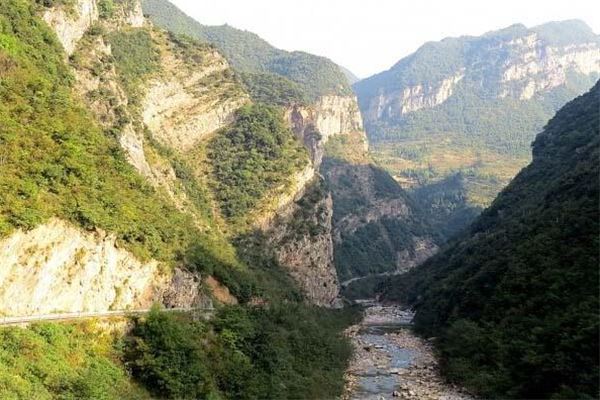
x=368, y=36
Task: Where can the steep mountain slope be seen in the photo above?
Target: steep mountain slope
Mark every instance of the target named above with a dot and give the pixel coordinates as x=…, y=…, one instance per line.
x=328, y=122
x=137, y=170
x=515, y=299
x=378, y=228
x=263, y=66
x=161, y=109
x=375, y=227
x=473, y=105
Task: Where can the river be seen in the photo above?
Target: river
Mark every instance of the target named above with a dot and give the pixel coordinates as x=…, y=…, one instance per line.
x=391, y=362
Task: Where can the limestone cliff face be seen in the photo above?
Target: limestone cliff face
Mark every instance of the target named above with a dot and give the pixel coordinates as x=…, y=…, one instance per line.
x=539, y=67
x=413, y=98
x=71, y=22
x=192, y=95
x=181, y=108
x=303, y=243
x=515, y=62
x=302, y=233
x=60, y=268
x=331, y=116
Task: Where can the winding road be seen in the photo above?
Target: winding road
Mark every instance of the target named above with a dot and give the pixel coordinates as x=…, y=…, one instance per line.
x=23, y=320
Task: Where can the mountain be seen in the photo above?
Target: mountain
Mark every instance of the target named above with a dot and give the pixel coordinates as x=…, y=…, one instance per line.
x=459, y=115
x=514, y=300
x=352, y=79
x=258, y=61
x=145, y=169
x=138, y=172
x=255, y=60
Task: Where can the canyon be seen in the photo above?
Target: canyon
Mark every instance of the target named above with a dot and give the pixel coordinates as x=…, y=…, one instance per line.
x=152, y=163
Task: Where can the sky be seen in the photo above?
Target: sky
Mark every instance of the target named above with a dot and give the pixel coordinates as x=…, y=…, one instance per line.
x=369, y=36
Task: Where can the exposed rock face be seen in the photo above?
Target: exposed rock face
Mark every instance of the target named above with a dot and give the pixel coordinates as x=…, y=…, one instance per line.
x=418, y=251
x=539, y=68
x=414, y=98
x=72, y=22
x=514, y=62
x=182, y=292
x=302, y=233
x=71, y=25
x=377, y=228
x=330, y=116
x=303, y=243
x=59, y=268
x=180, y=108
x=188, y=99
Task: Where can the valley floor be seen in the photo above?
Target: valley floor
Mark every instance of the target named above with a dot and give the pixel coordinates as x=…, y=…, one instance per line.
x=391, y=362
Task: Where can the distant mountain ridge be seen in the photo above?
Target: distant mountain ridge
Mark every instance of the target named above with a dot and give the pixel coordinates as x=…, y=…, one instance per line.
x=250, y=54
x=498, y=53
x=472, y=105
x=514, y=300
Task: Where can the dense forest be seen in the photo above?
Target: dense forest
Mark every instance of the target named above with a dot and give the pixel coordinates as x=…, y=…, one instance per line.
x=283, y=352
x=514, y=299
x=255, y=155
x=287, y=352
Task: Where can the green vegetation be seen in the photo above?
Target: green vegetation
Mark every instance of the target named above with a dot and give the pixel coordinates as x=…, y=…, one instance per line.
x=373, y=244
x=514, y=300
x=314, y=76
x=309, y=219
x=106, y=8
x=281, y=351
x=135, y=56
x=253, y=275
x=56, y=161
x=250, y=159
x=479, y=132
x=285, y=351
x=350, y=148
x=53, y=361
x=448, y=208
x=273, y=89
x=69, y=4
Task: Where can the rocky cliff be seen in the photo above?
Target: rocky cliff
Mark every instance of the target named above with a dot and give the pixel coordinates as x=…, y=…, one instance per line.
x=163, y=98
x=70, y=270
x=330, y=116
x=377, y=228
x=454, y=121
x=190, y=100
x=59, y=268
x=302, y=239
x=515, y=62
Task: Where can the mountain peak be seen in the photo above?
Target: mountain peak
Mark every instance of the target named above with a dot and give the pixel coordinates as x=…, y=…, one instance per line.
x=571, y=31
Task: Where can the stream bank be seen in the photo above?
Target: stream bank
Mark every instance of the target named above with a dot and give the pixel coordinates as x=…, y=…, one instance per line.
x=390, y=361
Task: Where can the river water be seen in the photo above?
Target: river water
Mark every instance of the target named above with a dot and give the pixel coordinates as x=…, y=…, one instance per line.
x=391, y=362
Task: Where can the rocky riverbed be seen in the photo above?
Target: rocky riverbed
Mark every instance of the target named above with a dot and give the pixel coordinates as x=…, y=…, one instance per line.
x=391, y=362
